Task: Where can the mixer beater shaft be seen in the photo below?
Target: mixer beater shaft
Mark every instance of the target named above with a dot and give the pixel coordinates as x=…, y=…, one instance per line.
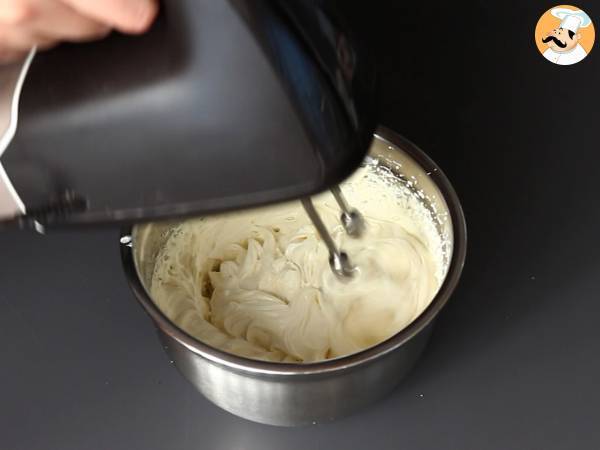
x=352, y=219
x=353, y=223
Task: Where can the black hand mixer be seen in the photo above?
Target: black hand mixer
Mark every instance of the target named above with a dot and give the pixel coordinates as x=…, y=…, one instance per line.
x=224, y=104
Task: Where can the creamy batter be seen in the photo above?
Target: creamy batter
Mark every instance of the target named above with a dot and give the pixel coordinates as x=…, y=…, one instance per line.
x=258, y=284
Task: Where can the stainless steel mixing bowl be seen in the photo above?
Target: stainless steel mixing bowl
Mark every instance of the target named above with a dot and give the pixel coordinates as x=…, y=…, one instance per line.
x=296, y=394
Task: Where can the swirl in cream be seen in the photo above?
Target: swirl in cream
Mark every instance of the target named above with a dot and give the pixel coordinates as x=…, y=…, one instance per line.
x=258, y=284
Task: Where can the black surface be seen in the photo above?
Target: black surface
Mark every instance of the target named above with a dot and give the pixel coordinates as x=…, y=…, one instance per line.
x=513, y=361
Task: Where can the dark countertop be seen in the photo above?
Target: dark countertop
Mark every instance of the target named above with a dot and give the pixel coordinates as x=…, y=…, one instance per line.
x=513, y=361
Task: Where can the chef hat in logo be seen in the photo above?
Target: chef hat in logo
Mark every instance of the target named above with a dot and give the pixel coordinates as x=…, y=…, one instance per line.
x=571, y=19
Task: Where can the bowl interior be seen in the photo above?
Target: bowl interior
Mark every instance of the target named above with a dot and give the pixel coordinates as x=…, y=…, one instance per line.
x=408, y=165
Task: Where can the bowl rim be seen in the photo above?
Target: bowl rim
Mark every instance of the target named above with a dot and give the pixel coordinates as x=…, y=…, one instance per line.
x=257, y=367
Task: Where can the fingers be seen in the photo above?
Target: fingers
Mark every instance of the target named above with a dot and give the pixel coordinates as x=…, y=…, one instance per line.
x=49, y=20
x=44, y=23
x=58, y=21
x=41, y=23
x=14, y=12
x=127, y=16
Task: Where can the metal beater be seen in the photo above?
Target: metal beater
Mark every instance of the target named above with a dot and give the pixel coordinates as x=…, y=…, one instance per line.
x=352, y=221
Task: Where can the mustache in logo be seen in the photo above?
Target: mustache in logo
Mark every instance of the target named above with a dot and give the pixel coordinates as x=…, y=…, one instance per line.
x=556, y=41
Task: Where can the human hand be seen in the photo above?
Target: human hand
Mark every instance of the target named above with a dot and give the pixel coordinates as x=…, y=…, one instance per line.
x=44, y=23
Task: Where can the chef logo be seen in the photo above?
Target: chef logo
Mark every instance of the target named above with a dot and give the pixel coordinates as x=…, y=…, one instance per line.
x=564, y=35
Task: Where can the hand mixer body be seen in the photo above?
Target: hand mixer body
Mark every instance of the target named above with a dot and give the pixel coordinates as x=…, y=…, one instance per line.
x=222, y=105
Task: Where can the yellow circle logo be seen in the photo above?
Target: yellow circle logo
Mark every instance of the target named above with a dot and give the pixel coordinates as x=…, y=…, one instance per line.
x=565, y=35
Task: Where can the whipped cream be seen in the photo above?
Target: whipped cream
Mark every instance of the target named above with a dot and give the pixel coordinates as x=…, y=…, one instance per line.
x=257, y=283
